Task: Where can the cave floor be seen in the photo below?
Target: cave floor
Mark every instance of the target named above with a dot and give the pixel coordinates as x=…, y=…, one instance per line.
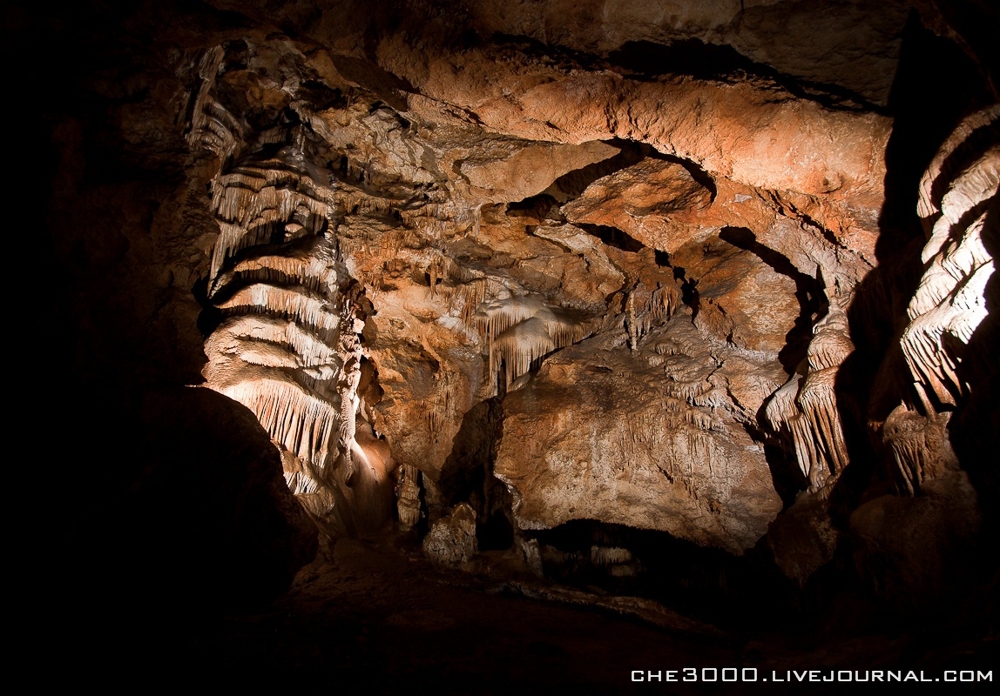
x=377, y=615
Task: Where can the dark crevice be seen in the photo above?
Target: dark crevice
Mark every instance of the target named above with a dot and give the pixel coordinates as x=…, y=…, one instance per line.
x=975, y=427
x=645, y=60
x=689, y=290
x=548, y=54
x=467, y=475
x=574, y=183
x=389, y=87
x=543, y=207
x=210, y=316
x=704, y=583
x=612, y=236
x=827, y=233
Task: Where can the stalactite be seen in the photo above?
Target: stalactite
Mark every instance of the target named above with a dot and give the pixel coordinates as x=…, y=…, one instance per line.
x=904, y=432
x=818, y=402
x=212, y=126
x=949, y=303
x=298, y=305
x=497, y=317
x=987, y=118
x=314, y=272
x=248, y=201
x=644, y=308
x=609, y=555
x=307, y=346
x=663, y=302
x=469, y=297
x=804, y=412
x=301, y=422
x=518, y=347
x=919, y=447
x=780, y=412
x=562, y=328
x=831, y=343
x=630, y=322
x=435, y=272
x=521, y=329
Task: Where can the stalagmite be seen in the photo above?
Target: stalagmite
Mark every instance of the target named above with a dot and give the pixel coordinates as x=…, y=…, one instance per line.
x=918, y=448
x=408, y=503
x=351, y=353
x=630, y=322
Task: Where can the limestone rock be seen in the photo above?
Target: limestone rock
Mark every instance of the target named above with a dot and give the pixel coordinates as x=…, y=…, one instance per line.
x=803, y=538
x=647, y=200
x=913, y=549
x=649, y=440
x=658, y=243
x=530, y=170
x=452, y=539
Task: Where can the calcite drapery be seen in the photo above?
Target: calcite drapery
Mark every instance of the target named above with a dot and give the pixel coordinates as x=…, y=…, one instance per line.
x=955, y=194
x=481, y=239
x=957, y=205
x=288, y=345
x=806, y=411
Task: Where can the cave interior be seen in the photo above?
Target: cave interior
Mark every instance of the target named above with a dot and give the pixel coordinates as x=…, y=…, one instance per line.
x=494, y=345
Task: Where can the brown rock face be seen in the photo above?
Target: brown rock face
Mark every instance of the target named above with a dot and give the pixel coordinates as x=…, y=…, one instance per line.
x=647, y=439
x=647, y=200
x=654, y=264
x=465, y=224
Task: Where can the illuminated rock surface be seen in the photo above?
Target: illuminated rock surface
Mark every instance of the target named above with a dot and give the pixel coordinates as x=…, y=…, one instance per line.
x=552, y=290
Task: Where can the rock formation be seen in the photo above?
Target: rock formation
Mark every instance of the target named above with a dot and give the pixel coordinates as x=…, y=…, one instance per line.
x=487, y=237
x=529, y=264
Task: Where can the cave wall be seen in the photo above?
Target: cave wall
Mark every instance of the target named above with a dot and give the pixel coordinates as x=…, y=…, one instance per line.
x=647, y=265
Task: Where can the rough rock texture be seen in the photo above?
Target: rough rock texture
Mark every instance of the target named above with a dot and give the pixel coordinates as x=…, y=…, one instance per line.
x=650, y=439
x=500, y=207
x=452, y=539
x=916, y=550
x=653, y=264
